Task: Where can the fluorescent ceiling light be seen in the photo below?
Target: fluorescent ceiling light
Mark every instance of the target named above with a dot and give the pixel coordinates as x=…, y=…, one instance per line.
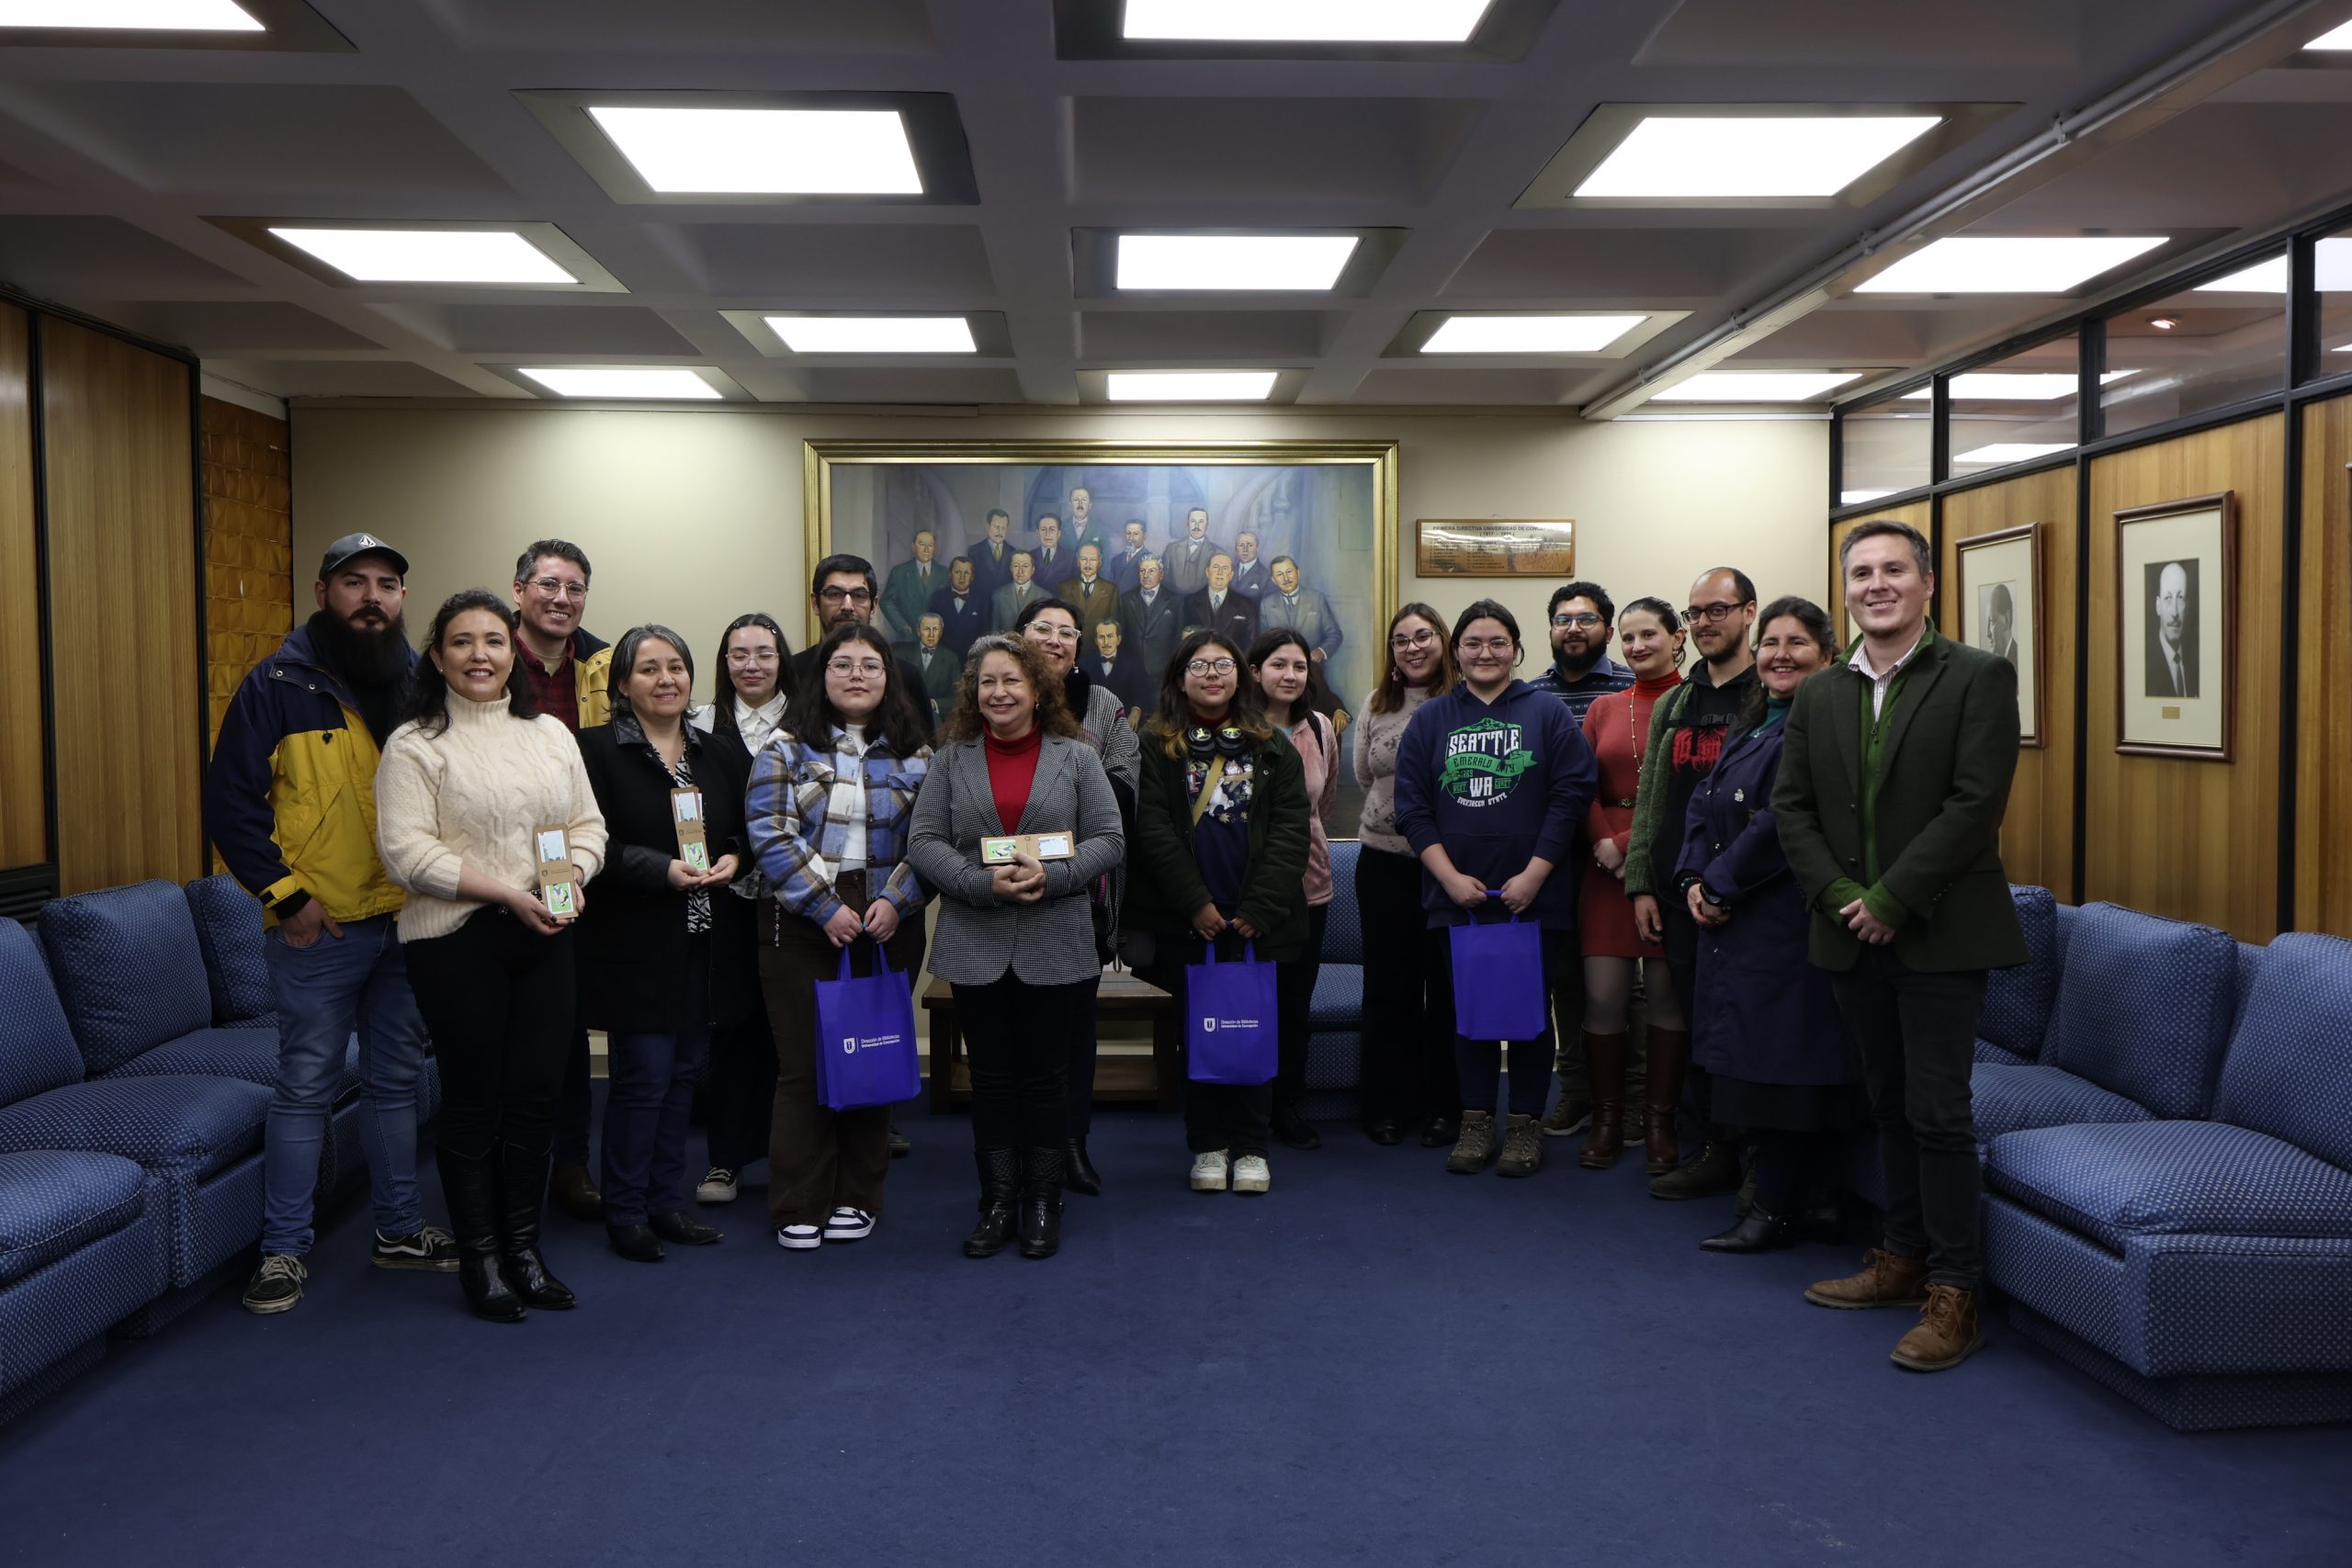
x=2015, y=385
x=428, y=256
x=2008, y=265
x=2331, y=260
x=1253, y=262
x=2013, y=451
x=2335, y=39
x=1189, y=386
x=875, y=335
x=148, y=16
x=632, y=381
x=766, y=152
x=1529, y=335
x=1754, y=386
x=1856, y=497
x=1773, y=155
x=1306, y=21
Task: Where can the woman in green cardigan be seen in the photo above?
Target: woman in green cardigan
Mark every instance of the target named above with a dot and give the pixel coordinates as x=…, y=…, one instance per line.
x=1219, y=855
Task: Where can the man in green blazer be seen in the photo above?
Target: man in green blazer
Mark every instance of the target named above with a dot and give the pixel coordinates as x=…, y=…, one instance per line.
x=1894, y=776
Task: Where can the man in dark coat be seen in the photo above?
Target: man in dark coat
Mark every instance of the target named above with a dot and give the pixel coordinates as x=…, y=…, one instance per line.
x=1118, y=671
x=1220, y=609
x=1151, y=620
x=962, y=608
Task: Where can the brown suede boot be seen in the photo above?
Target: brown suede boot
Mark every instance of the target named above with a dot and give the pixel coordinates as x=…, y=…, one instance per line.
x=1669, y=1054
x=1604, y=1060
x=1946, y=1335
x=1886, y=1281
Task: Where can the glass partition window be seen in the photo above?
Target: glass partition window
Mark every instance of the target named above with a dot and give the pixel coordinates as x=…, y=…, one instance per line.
x=2333, y=263
x=2016, y=409
x=1885, y=446
x=2219, y=342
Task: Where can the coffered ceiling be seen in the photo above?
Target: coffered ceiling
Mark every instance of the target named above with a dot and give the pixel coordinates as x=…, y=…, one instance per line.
x=137, y=183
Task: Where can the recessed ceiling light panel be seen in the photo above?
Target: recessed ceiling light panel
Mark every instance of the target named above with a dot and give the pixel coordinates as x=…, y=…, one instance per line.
x=131, y=15
x=1189, y=386
x=427, y=256
x=1305, y=22
x=2008, y=265
x=751, y=151
x=1247, y=263
x=2013, y=452
x=621, y=381
x=1529, y=335
x=1856, y=497
x=1750, y=156
x=875, y=335
x=1755, y=386
x=2015, y=385
x=2334, y=41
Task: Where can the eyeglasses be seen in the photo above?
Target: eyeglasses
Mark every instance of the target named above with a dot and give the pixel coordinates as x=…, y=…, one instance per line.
x=750, y=656
x=1718, y=610
x=847, y=595
x=854, y=667
x=556, y=588
x=1476, y=647
x=1052, y=632
x=1209, y=667
x=1586, y=619
x=1422, y=639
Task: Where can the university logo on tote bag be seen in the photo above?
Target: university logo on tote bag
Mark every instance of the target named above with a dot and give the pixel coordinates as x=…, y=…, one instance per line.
x=1498, y=979
x=1230, y=1033
x=865, y=1037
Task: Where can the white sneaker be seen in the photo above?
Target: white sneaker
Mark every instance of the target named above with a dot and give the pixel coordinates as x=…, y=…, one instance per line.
x=799, y=1238
x=1209, y=1171
x=846, y=1223
x=1251, y=1174
x=718, y=1185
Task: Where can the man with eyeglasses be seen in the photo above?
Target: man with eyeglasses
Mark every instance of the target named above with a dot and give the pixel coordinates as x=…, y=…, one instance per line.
x=905, y=596
x=568, y=670
x=1686, y=730
x=842, y=593
x=1217, y=608
x=1152, y=620
x=1582, y=616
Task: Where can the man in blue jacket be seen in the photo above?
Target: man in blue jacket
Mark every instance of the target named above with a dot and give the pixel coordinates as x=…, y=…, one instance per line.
x=289, y=802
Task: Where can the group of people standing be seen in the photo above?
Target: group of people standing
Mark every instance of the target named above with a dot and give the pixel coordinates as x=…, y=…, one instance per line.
x=524, y=834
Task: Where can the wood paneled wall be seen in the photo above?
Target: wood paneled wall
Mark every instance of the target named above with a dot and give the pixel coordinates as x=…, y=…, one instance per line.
x=248, y=545
x=2324, y=732
x=2038, y=834
x=2198, y=840
x=24, y=797
x=122, y=591
x=1920, y=514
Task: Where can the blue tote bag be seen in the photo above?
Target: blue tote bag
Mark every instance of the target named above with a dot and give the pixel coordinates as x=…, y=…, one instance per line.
x=1231, y=1034
x=865, y=1037
x=1498, y=979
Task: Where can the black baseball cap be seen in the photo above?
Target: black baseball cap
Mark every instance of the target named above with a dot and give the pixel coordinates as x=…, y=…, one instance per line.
x=351, y=545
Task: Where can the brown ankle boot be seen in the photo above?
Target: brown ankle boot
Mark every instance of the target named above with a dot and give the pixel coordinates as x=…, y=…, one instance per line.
x=1886, y=1281
x=1604, y=1060
x=1669, y=1054
x=1946, y=1335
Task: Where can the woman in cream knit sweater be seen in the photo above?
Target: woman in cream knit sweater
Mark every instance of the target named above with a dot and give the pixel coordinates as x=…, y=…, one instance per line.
x=460, y=793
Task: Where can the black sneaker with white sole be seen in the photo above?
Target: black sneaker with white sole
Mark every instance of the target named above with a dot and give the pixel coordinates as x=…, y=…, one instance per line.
x=277, y=1285
x=430, y=1248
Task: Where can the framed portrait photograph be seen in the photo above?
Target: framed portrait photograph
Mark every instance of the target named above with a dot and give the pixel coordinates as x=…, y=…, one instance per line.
x=2000, y=610
x=1146, y=539
x=2176, y=598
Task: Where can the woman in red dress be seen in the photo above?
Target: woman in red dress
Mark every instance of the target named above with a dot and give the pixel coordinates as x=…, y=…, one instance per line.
x=1617, y=725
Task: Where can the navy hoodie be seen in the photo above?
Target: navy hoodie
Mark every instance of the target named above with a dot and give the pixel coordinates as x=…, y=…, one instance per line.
x=1498, y=785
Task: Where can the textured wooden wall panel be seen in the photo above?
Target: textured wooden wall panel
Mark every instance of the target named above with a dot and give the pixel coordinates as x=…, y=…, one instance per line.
x=248, y=544
x=24, y=801
x=2324, y=734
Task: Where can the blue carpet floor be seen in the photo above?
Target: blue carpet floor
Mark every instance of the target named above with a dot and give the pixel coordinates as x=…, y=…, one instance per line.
x=1376, y=1363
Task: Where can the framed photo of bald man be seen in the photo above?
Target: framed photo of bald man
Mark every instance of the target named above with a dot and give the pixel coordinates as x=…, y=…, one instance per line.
x=2175, y=592
x=2000, y=610
x=1144, y=540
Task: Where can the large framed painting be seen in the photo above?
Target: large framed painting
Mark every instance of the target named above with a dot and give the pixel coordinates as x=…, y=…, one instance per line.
x=2000, y=610
x=1145, y=537
x=2176, y=599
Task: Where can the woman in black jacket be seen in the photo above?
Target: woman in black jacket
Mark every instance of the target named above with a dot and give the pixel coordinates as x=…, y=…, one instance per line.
x=660, y=962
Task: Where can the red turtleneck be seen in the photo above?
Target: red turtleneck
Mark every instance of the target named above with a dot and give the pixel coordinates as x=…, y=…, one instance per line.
x=1013, y=768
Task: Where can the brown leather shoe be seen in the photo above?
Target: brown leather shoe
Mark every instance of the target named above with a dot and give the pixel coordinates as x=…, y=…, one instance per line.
x=1885, y=1281
x=1946, y=1335
x=1604, y=1058
x=1670, y=1055
x=575, y=1194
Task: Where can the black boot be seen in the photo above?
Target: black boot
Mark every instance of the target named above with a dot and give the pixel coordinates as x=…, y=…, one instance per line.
x=1293, y=1128
x=521, y=1198
x=1716, y=1170
x=469, y=1186
x=1758, y=1230
x=1041, y=1203
x=1079, y=1173
x=1000, y=1187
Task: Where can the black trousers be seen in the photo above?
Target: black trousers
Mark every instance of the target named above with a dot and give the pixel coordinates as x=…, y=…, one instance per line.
x=1679, y=937
x=1078, y=1078
x=1238, y=1118
x=1477, y=1066
x=1293, y=998
x=1408, y=1073
x=1917, y=1035
x=740, y=1093
x=1017, y=1037
x=498, y=1000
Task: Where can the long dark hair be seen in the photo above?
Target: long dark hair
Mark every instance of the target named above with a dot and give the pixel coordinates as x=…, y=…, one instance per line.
x=625, y=660
x=1264, y=649
x=1389, y=695
x=811, y=716
x=722, y=685
x=1247, y=713
x=428, y=698
x=963, y=721
x=1816, y=621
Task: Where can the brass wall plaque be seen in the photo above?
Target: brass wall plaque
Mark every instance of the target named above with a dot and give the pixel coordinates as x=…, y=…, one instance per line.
x=1495, y=547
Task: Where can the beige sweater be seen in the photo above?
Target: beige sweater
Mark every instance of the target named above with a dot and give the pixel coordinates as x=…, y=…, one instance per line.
x=1377, y=736
x=472, y=794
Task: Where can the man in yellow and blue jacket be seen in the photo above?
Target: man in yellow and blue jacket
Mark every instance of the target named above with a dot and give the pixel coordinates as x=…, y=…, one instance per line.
x=289, y=802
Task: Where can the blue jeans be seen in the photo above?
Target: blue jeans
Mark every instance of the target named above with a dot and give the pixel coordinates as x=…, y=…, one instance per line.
x=648, y=1101
x=326, y=992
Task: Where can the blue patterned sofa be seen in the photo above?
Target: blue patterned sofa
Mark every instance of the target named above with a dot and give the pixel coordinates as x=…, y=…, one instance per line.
x=1335, y=1017
x=2202, y=1267
x=2018, y=1002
